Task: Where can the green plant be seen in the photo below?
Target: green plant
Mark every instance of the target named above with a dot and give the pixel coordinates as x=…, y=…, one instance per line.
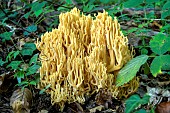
x=24, y=71
x=133, y=104
x=159, y=46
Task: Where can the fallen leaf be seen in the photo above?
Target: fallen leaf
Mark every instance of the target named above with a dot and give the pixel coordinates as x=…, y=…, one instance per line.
x=5, y=82
x=21, y=101
x=163, y=107
x=43, y=111
x=95, y=109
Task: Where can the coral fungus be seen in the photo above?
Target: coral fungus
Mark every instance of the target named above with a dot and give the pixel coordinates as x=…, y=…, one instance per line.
x=82, y=56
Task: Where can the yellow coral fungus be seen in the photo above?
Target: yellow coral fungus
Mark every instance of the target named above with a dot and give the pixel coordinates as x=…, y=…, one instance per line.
x=82, y=56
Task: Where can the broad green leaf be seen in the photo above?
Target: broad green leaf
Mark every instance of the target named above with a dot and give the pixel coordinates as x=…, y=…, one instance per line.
x=23, y=83
x=159, y=63
x=32, y=70
x=14, y=64
x=166, y=27
x=132, y=30
x=10, y=55
x=33, y=82
x=28, y=49
x=2, y=14
x=19, y=74
x=166, y=5
x=144, y=51
x=134, y=101
x=27, y=14
x=88, y=8
x=141, y=111
x=105, y=1
x=160, y=44
x=37, y=13
x=166, y=10
x=33, y=59
x=16, y=53
x=6, y=36
x=128, y=72
x=69, y=1
x=151, y=1
x=165, y=14
x=132, y=3
x=1, y=62
x=30, y=29
x=145, y=99
x=38, y=6
x=131, y=103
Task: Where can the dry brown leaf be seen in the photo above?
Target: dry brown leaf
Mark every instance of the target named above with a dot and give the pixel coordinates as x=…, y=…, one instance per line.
x=103, y=98
x=5, y=82
x=21, y=101
x=163, y=107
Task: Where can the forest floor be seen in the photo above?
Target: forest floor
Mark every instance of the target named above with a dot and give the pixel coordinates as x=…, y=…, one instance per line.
x=156, y=87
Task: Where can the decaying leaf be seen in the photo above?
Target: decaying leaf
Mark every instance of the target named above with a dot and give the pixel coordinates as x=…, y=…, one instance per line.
x=43, y=111
x=21, y=101
x=5, y=83
x=157, y=94
x=104, y=97
x=98, y=108
x=163, y=107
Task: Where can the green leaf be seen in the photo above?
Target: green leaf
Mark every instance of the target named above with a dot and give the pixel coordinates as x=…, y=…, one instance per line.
x=28, y=49
x=1, y=62
x=33, y=82
x=19, y=75
x=33, y=59
x=12, y=54
x=105, y=1
x=145, y=99
x=158, y=63
x=6, y=36
x=37, y=13
x=144, y=51
x=30, y=29
x=132, y=3
x=69, y=1
x=37, y=6
x=165, y=14
x=27, y=14
x=134, y=101
x=16, y=53
x=166, y=10
x=32, y=70
x=14, y=64
x=141, y=111
x=166, y=5
x=160, y=44
x=166, y=27
x=151, y=1
x=133, y=65
x=43, y=90
x=23, y=83
x=88, y=8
